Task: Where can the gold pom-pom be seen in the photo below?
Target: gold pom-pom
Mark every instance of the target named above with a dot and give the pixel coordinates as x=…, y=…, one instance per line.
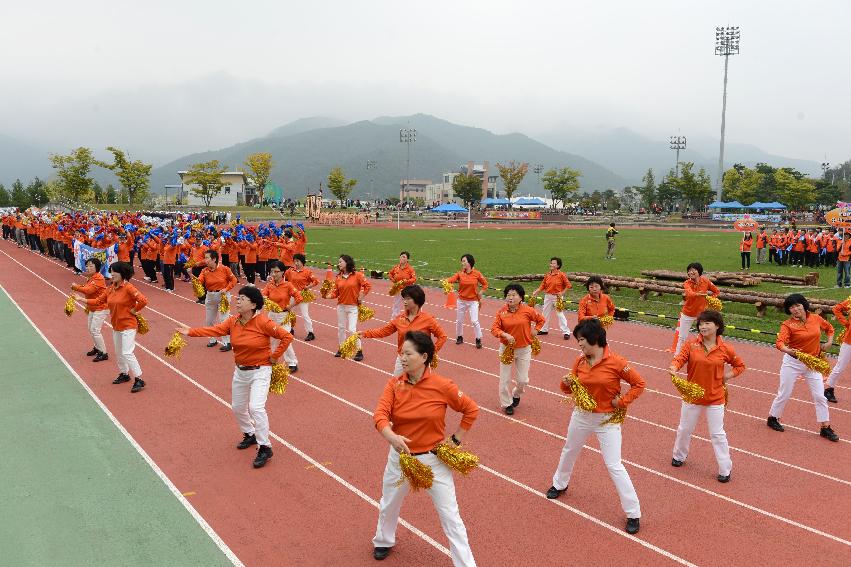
x=446, y=286
x=396, y=287
x=70, y=306
x=307, y=295
x=617, y=416
x=817, y=363
x=143, y=324
x=532, y=300
x=507, y=355
x=364, y=313
x=349, y=347
x=197, y=287
x=434, y=361
x=726, y=394
x=419, y=475
x=456, y=459
x=224, y=304
x=271, y=306
x=841, y=336
x=280, y=378
x=175, y=345
x=689, y=391
x=536, y=346
x=189, y=263
x=580, y=395
x=325, y=288
x=560, y=303
x=289, y=319
x=606, y=321
x=714, y=303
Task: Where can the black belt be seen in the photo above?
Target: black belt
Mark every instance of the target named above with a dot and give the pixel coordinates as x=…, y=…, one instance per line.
x=247, y=367
x=423, y=453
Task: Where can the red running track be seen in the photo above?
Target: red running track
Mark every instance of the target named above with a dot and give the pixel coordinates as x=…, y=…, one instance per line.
x=315, y=502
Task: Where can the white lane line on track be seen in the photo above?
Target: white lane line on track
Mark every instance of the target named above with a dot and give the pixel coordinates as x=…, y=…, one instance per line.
x=157, y=470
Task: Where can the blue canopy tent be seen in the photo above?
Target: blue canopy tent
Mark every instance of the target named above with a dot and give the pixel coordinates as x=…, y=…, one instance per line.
x=725, y=205
x=775, y=205
x=530, y=202
x=452, y=208
x=490, y=202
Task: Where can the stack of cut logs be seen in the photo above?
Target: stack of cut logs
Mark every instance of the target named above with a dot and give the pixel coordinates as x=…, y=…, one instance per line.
x=738, y=279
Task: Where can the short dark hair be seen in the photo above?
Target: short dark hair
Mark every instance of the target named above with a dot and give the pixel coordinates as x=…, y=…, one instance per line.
x=300, y=258
x=592, y=331
x=95, y=262
x=712, y=316
x=514, y=287
x=795, y=299
x=422, y=343
x=123, y=269
x=278, y=264
x=597, y=280
x=406, y=253
x=557, y=259
x=612, y=225
x=213, y=254
x=470, y=259
x=254, y=295
x=414, y=292
x=697, y=266
x=350, y=263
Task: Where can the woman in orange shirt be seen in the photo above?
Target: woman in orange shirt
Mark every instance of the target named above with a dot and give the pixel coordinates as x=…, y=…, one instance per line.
x=695, y=290
x=286, y=296
x=94, y=287
x=404, y=272
x=302, y=278
x=124, y=301
x=595, y=304
x=745, y=250
x=705, y=357
x=554, y=286
x=469, y=297
x=801, y=333
x=600, y=372
x=840, y=311
x=350, y=287
x=411, y=416
x=513, y=327
x=250, y=331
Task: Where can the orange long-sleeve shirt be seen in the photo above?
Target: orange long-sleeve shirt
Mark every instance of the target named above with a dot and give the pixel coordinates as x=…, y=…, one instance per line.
x=220, y=279
x=120, y=300
x=745, y=244
x=803, y=336
x=840, y=311
x=406, y=274
x=468, y=283
x=124, y=248
x=169, y=253
x=517, y=324
x=418, y=411
x=300, y=241
x=603, y=380
x=706, y=367
x=94, y=288
x=761, y=240
x=347, y=288
x=301, y=278
x=400, y=325
x=249, y=250
x=844, y=250
x=286, y=250
x=281, y=293
x=555, y=282
x=694, y=302
x=590, y=308
x=251, y=345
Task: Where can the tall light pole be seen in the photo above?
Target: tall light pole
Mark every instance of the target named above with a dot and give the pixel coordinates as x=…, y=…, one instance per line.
x=825, y=166
x=726, y=44
x=407, y=136
x=370, y=165
x=678, y=143
x=538, y=169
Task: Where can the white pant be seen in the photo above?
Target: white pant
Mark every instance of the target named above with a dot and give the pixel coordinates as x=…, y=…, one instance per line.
x=522, y=359
x=789, y=372
x=249, y=391
x=841, y=363
x=95, y=323
x=689, y=414
x=397, y=305
x=683, y=329
x=463, y=307
x=289, y=355
x=549, y=307
x=125, y=343
x=582, y=425
x=442, y=494
x=347, y=322
x=303, y=312
x=211, y=309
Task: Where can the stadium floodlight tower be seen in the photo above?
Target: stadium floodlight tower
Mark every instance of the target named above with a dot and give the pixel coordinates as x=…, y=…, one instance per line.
x=726, y=44
x=678, y=143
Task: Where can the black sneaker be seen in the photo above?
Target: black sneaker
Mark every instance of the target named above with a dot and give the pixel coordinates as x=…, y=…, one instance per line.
x=138, y=384
x=310, y=337
x=567, y=336
x=723, y=478
x=226, y=348
x=515, y=402
x=831, y=397
x=632, y=524
x=248, y=439
x=554, y=492
x=264, y=453
x=774, y=423
x=676, y=463
x=338, y=354
x=543, y=333
x=509, y=410
x=478, y=343
x=380, y=553
x=122, y=378
x=459, y=340
x=359, y=356
x=100, y=356
x=293, y=367
x=93, y=352
x=828, y=434
x=211, y=344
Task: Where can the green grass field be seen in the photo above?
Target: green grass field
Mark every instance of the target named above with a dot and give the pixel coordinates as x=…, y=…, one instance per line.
x=435, y=253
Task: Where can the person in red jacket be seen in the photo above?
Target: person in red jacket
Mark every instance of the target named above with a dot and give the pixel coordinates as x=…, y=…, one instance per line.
x=471, y=284
x=600, y=372
x=404, y=273
x=761, y=245
x=705, y=358
x=513, y=327
x=350, y=287
x=745, y=249
x=94, y=287
x=695, y=291
x=554, y=286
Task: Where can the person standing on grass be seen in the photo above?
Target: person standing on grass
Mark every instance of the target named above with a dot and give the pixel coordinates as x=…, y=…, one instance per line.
x=413, y=318
x=745, y=249
x=554, y=286
x=302, y=278
x=600, y=373
x=471, y=284
x=695, y=291
x=94, y=288
x=124, y=301
x=596, y=303
x=513, y=327
x=286, y=296
x=610, y=242
x=840, y=311
x=843, y=263
x=761, y=245
x=217, y=280
x=705, y=358
x=250, y=331
x=401, y=272
x=411, y=416
x=801, y=333
x=350, y=287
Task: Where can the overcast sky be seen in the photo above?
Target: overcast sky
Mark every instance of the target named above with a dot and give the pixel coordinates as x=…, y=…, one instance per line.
x=167, y=78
